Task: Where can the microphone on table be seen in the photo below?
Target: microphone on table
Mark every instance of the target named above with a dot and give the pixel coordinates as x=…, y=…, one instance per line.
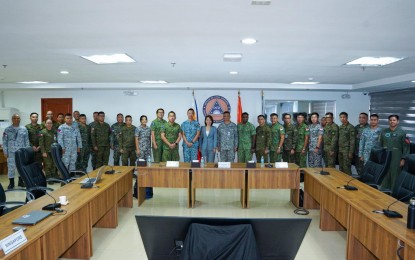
x=392, y=213
x=350, y=187
x=322, y=172
x=52, y=206
x=88, y=184
x=111, y=171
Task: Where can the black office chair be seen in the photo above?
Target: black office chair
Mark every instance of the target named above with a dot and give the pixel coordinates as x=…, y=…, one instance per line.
x=405, y=184
x=32, y=173
x=66, y=175
x=412, y=147
x=8, y=206
x=376, y=167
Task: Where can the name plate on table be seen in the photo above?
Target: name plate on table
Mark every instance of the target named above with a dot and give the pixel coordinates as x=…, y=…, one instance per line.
x=224, y=165
x=172, y=164
x=195, y=164
x=141, y=163
x=251, y=164
x=13, y=241
x=281, y=165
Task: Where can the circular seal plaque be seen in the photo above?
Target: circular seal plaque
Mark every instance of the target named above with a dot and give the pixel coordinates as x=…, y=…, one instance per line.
x=215, y=106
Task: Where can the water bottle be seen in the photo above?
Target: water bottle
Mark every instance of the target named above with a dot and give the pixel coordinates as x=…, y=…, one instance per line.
x=411, y=214
x=262, y=162
x=202, y=162
x=148, y=161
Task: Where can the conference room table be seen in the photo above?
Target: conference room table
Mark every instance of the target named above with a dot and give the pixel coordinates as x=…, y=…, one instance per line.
x=370, y=235
x=211, y=177
x=69, y=234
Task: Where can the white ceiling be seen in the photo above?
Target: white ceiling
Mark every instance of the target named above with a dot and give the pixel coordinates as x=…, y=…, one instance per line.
x=297, y=40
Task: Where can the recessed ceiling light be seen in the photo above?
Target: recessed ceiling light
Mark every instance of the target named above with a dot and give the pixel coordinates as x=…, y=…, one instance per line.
x=32, y=82
x=110, y=58
x=374, y=61
x=153, y=81
x=234, y=57
x=266, y=2
x=233, y=72
x=304, y=83
x=64, y=72
x=413, y=81
x=249, y=41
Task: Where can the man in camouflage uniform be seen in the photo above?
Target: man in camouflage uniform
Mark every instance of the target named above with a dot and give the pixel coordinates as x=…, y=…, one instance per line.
x=60, y=118
x=303, y=133
x=85, y=132
x=126, y=140
x=55, y=124
x=290, y=140
x=369, y=138
x=263, y=140
x=93, y=153
x=277, y=139
x=227, y=138
x=190, y=133
x=143, y=145
x=396, y=140
x=171, y=135
x=246, y=139
x=70, y=140
x=34, y=132
x=359, y=128
x=14, y=137
x=347, y=137
x=115, y=132
x=76, y=116
x=46, y=139
x=100, y=136
x=156, y=140
x=330, y=141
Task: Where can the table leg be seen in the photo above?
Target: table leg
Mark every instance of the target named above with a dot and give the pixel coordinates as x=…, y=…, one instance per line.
x=141, y=195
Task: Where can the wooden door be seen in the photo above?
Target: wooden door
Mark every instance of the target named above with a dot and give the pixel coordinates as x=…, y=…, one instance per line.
x=56, y=105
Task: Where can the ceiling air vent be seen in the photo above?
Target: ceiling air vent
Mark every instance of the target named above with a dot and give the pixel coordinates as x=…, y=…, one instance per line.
x=260, y=2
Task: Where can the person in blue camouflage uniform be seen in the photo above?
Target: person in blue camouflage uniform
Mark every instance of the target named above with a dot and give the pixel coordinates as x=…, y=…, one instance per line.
x=359, y=128
x=143, y=145
x=34, y=133
x=85, y=132
x=396, y=140
x=171, y=136
x=227, y=138
x=93, y=152
x=190, y=133
x=70, y=140
x=156, y=141
x=246, y=139
x=115, y=132
x=277, y=139
x=347, y=137
x=369, y=138
x=303, y=134
x=14, y=137
x=315, y=153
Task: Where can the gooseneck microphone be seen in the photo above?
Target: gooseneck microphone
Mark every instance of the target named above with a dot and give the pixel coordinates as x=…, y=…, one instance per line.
x=350, y=187
x=88, y=184
x=52, y=206
x=392, y=213
x=111, y=171
x=322, y=172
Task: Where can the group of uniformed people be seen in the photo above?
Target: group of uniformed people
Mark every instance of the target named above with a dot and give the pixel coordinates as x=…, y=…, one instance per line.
x=310, y=139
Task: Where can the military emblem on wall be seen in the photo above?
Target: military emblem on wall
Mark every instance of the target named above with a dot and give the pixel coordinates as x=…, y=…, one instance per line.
x=215, y=106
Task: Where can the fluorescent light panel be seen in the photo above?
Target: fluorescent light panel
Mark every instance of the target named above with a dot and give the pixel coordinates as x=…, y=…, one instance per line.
x=249, y=41
x=234, y=57
x=233, y=72
x=304, y=83
x=109, y=58
x=33, y=82
x=374, y=61
x=153, y=81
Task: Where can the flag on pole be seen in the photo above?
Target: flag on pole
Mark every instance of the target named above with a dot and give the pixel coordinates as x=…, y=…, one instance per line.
x=263, y=102
x=196, y=116
x=239, y=113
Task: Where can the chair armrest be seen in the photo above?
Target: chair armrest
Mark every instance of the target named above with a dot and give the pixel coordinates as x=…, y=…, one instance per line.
x=12, y=203
x=389, y=192
x=29, y=195
x=77, y=172
x=56, y=180
x=357, y=177
x=40, y=188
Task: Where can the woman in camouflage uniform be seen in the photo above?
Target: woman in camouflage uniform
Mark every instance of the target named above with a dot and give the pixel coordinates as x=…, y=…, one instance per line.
x=316, y=138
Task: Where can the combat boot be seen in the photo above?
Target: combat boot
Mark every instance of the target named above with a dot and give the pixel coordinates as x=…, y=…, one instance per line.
x=21, y=183
x=11, y=184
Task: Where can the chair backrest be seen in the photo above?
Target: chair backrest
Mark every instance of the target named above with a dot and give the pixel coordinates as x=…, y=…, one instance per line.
x=405, y=184
x=56, y=152
x=30, y=170
x=377, y=166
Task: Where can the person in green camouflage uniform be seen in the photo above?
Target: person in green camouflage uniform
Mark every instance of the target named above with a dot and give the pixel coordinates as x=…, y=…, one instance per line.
x=34, y=133
x=246, y=142
x=301, y=148
x=263, y=140
x=93, y=153
x=156, y=140
x=171, y=136
x=60, y=119
x=347, y=137
x=290, y=140
x=83, y=156
x=115, y=131
x=277, y=139
x=363, y=118
x=100, y=136
x=330, y=141
x=55, y=124
x=126, y=140
x=46, y=139
x=395, y=139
